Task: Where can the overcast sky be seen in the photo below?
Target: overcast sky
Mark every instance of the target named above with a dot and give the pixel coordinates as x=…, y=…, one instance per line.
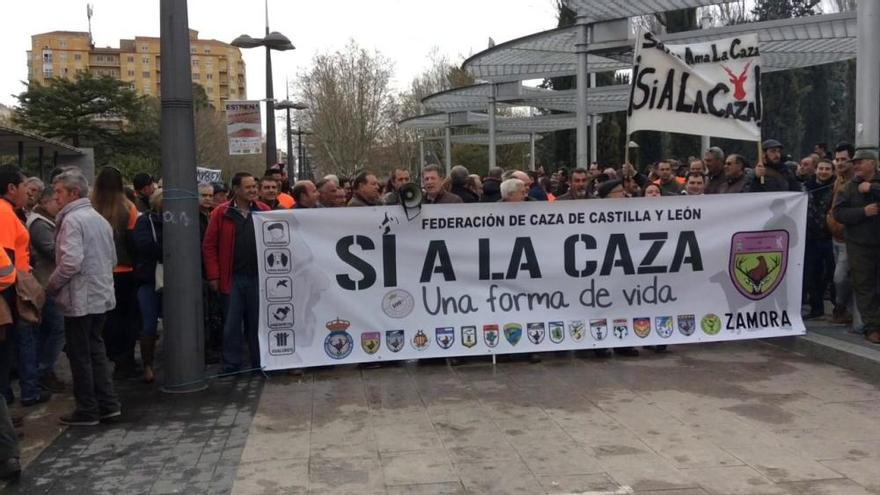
x=405, y=31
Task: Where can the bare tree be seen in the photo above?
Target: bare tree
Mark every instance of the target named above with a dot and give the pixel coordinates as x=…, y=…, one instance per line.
x=728, y=14
x=843, y=5
x=441, y=74
x=348, y=95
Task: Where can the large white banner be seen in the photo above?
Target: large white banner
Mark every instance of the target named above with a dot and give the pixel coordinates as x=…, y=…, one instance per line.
x=244, y=128
x=350, y=285
x=707, y=89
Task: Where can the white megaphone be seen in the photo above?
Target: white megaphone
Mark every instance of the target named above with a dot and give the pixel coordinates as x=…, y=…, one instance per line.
x=411, y=199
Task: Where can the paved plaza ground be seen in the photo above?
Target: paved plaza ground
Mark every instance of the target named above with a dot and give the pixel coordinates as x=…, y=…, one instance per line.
x=729, y=418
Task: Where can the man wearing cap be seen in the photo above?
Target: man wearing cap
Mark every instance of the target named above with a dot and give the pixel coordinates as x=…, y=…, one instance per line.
x=857, y=208
x=221, y=193
x=144, y=187
x=771, y=173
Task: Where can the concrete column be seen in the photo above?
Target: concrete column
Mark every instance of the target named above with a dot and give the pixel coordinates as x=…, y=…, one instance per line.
x=492, y=148
x=421, y=163
x=868, y=75
x=583, y=34
x=532, y=151
x=705, y=142
x=594, y=130
x=447, y=150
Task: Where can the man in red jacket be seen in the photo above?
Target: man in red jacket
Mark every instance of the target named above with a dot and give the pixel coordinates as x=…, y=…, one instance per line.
x=230, y=254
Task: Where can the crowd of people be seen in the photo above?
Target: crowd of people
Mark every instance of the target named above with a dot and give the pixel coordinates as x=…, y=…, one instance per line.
x=81, y=264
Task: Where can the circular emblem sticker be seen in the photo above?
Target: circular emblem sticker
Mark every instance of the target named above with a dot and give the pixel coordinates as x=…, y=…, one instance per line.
x=338, y=345
x=398, y=304
x=711, y=324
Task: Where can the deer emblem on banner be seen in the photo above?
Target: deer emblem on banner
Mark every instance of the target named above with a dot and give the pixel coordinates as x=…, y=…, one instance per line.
x=739, y=82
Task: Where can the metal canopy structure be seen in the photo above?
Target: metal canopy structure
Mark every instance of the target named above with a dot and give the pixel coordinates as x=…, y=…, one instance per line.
x=15, y=141
x=523, y=126
x=441, y=120
x=575, y=50
x=538, y=124
x=604, y=10
x=483, y=139
x=785, y=44
x=602, y=42
x=21, y=143
x=478, y=97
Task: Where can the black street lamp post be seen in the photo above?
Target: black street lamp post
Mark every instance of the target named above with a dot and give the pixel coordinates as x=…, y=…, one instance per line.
x=288, y=106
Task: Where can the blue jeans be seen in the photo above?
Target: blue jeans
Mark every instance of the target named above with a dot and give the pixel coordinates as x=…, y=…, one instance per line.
x=26, y=343
x=50, y=340
x=150, y=303
x=242, y=309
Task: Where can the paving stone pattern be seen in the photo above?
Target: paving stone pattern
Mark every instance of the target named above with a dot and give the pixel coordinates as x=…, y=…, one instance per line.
x=731, y=418
x=163, y=444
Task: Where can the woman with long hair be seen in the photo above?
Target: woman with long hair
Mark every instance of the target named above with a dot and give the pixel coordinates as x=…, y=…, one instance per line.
x=147, y=258
x=123, y=322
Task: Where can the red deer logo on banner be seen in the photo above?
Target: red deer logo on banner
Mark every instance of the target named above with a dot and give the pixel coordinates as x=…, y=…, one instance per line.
x=739, y=82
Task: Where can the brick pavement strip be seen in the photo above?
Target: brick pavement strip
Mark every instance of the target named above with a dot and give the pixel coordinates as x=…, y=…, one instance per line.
x=162, y=444
x=731, y=418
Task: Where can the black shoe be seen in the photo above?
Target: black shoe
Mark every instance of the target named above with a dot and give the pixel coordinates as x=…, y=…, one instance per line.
x=44, y=396
x=10, y=470
x=111, y=417
x=626, y=351
x=51, y=383
x=78, y=419
x=535, y=358
x=659, y=349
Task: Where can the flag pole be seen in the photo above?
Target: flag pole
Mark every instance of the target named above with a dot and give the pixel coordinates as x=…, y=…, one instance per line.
x=761, y=158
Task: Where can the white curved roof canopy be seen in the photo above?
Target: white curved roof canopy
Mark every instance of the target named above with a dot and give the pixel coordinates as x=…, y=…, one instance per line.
x=604, y=10
x=537, y=124
x=505, y=126
x=785, y=44
x=441, y=120
x=483, y=139
x=602, y=99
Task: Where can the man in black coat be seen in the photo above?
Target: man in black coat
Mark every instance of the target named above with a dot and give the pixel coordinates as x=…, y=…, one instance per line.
x=771, y=173
x=819, y=255
x=459, y=176
x=492, y=185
